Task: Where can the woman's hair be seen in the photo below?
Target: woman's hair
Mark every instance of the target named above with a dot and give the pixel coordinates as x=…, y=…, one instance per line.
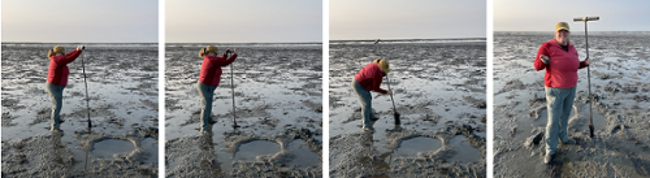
x=50, y=53
x=208, y=49
x=56, y=49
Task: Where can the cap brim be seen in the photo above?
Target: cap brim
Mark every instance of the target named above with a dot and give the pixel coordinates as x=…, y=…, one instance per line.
x=562, y=28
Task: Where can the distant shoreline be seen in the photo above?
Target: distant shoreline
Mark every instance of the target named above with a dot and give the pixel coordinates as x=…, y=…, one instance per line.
x=576, y=32
x=407, y=40
x=72, y=43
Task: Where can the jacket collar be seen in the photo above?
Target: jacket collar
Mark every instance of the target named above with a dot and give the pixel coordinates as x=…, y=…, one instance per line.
x=556, y=44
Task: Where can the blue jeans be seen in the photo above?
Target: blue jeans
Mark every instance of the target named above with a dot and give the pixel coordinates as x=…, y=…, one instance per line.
x=207, y=93
x=366, y=102
x=559, y=104
x=56, y=95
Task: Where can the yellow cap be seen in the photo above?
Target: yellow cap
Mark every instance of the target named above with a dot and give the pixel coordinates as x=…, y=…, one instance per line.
x=383, y=64
x=205, y=50
x=56, y=49
x=562, y=26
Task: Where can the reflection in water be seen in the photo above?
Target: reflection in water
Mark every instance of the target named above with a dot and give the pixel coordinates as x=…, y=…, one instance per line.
x=87, y=151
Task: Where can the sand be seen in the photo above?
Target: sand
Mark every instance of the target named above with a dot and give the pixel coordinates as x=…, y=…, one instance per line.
x=278, y=95
x=122, y=85
x=619, y=84
x=440, y=93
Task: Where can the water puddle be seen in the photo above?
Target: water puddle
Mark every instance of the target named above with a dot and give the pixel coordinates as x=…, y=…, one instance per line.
x=249, y=151
x=411, y=147
x=105, y=149
x=304, y=156
x=151, y=146
x=465, y=152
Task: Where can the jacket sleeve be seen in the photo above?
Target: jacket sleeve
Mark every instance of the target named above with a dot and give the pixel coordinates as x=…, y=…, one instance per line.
x=377, y=82
x=68, y=58
x=221, y=62
x=582, y=65
x=539, y=65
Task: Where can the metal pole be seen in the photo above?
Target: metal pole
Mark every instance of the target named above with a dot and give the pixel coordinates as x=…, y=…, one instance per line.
x=591, y=98
x=83, y=67
x=232, y=89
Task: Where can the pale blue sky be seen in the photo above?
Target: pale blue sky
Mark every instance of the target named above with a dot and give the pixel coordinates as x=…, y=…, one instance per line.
x=620, y=15
x=409, y=19
x=95, y=21
x=243, y=21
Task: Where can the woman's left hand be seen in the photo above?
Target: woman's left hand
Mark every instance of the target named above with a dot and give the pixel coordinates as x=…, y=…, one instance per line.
x=587, y=61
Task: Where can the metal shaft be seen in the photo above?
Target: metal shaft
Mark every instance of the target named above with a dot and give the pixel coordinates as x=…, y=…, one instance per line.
x=391, y=95
x=232, y=89
x=83, y=68
x=591, y=121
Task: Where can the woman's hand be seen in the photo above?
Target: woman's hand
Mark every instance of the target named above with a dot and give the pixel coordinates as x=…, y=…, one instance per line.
x=587, y=61
x=81, y=47
x=234, y=50
x=389, y=92
x=545, y=59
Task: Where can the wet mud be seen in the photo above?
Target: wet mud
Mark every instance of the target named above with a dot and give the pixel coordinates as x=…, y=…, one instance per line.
x=120, y=76
x=440, y=94
x=278, y=99
x=621, y=114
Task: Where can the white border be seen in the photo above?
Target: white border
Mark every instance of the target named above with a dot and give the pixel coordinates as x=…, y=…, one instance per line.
x=161, y=89
x=326, y=89
x=489, y=151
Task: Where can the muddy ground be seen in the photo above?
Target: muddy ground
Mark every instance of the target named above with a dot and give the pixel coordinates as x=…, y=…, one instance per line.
x=440, y=93
x=620, y=84
x=278, y=96
x=122, y=87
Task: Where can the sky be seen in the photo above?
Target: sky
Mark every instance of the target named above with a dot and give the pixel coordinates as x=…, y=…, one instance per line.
x=70, y=21
x=409, y=19
x=243, y=21
x=620, y=15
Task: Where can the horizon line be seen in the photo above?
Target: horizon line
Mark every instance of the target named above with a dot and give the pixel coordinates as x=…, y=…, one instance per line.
x=398, y=39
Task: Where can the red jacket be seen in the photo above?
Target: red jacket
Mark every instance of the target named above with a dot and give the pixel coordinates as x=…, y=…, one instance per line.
x=58, y=71
x=370, y=78
x=211, y=69
x=562, y=72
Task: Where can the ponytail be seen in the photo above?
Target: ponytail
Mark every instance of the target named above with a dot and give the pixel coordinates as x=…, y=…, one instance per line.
x=202, y=53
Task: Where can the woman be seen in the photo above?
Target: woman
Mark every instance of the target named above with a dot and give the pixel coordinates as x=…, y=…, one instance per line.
x=209, y=80
x=560, y=59
x=369, y=79
x=57, y=79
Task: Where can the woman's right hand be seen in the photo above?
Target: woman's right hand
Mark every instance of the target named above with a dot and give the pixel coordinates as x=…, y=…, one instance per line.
x=389, y=92
x=81, y=47
x=545, y=59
